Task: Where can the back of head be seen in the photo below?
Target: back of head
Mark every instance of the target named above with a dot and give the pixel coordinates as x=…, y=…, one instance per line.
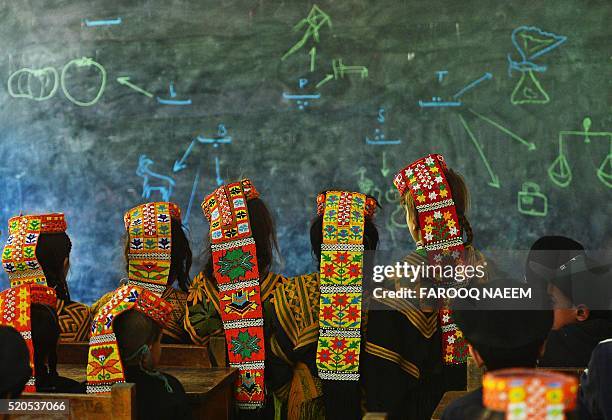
x=547, y=254
x=51, y=252
x=14, y=363
x=180, y=260
x=45, y=336
x=264, y=234
x=134, y=330
x=506, y=334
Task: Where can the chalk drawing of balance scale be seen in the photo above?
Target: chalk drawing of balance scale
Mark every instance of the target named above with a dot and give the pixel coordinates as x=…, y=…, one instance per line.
x=560, y=172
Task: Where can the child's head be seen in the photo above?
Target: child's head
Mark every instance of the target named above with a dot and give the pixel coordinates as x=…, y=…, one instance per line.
x=14, y=363
x=370, y=234
x=139, y=339
x=45, y=337
x=572, y=295
x=53, y=254
x=504, y=334
x=264, y=234
x=461, y=198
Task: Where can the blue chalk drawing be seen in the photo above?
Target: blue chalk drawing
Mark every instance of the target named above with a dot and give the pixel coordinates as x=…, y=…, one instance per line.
x=531, y=42
x=301, y=100
x=178, y=102
x=441, y=74
x=220, y=138
x=166, y=183
x=218, y=171
x=107, y=22
x=379, y=136
x=436, y=102
x=194, y=188
x=472, y=85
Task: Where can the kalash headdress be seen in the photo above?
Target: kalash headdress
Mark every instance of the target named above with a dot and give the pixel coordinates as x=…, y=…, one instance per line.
x=237, y=275
x=104, y=366
x=149, y=230
x=26, y=276
x=341, y=282
x=441, y=234
x=528, y=394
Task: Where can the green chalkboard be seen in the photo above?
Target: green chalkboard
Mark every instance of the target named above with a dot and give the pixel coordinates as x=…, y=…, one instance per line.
x=106, y=104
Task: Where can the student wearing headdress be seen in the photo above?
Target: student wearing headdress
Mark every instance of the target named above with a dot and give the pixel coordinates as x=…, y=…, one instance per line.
x=157, y=259
x=414, y=351
x=307, y=384
x=505, y=335
x=580, y=288
x=53, y=254
x=595, y=396
x=29, y=305
x=232, y=294
x=15, y=368
x=125, y=346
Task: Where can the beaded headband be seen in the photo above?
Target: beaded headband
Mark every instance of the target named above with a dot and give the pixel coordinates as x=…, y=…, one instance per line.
x=19, y=254
x=424, y=179
x=104, y=366
x=149, y=231
x=341, y=274
x=15, y=311
x=237, y=276
x=528, y=394
x=370, y=205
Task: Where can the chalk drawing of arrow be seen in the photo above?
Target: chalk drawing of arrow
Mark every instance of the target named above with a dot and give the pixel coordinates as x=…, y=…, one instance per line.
x=218, y=170
x=530, y=145
x=494, y=178
x=179, y=165
x=125, y=81
x=486, y=76
x=385, y=169
x=193, y=191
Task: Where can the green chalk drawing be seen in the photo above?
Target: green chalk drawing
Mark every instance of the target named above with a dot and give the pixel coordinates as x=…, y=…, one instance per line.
x=84, y=62
x=314, y=22
x=494, y=178
x=340, y=70
x=531, y=201
x=313, y=57
x=125, y=81
x=531, y=146
x=560, y=172
x=39, y=84
x=528, y=90
x=385, y=169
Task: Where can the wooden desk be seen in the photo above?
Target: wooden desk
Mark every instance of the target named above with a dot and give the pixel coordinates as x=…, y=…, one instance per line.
x=447, y=398
x=210, y=390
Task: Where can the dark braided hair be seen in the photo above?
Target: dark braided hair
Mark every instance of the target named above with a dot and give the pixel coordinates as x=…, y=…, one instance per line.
x=51, y=252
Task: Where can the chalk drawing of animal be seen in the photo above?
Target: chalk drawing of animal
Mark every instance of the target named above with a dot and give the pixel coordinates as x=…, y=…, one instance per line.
x=152, y=181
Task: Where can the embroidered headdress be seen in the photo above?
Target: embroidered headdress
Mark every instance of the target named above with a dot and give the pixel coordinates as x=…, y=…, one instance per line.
x=528, y=394
x=442, y=238
x=237, y=276
x=26, y=276
x=341, y=284
x=150, y=243
x=104, y=366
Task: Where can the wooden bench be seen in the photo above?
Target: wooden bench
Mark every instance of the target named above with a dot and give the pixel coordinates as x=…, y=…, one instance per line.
x=118, y=405
x=184, y=355
x=210, y=390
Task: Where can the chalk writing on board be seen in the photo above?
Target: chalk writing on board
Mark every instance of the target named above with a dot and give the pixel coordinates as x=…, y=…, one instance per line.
x=315, y=20
x=125, y=81
x=438, y=102
x=152, y=181
x=494, y=178
x=104, y=22
x=302, y=99
x=531, y=42
x=81, y=63
x=531, y=201
x=194, y=188
x=36, y=84
x=560, y=172
x=172, y=101
x=220, y=138
x=530, y=145
x=339, y=70
x=379, y=135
